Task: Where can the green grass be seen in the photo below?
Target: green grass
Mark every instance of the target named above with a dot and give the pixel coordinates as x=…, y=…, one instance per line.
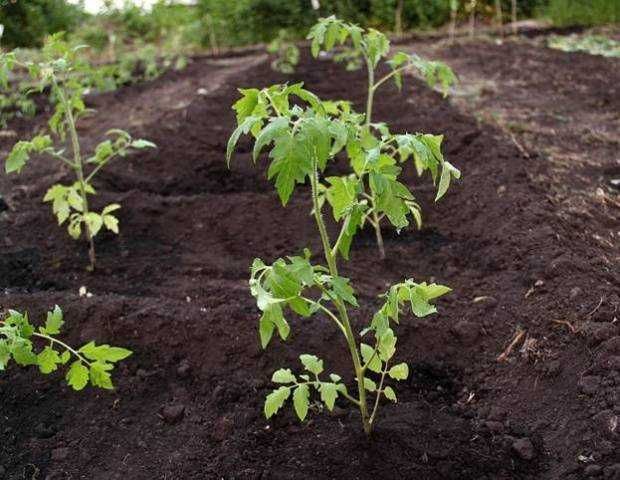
x=565, y=13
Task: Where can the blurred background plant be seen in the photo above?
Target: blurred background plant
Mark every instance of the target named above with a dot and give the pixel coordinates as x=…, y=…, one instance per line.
x=194, y=25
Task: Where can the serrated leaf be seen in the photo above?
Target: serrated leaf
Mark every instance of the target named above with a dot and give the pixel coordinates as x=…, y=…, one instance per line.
x=301, y=401
x=99, y=376
x=273, y=129
x=111, y=223
x=48, y=360
x=284, y=375
x=265, y=329
x=399, y=372
x=77, y=376
x=369, y=384
x=275, y=400
x=343, y=290
x=368, y=353
x=390, y=394
x=311, y=363
x=104, y=353
x=244, y=129
x=54, y=322
x=329, y=394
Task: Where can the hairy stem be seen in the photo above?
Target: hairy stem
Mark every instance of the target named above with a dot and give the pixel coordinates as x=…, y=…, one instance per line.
x=63, y=345
x=79, y=170
x=330, y=258
x=369, y=104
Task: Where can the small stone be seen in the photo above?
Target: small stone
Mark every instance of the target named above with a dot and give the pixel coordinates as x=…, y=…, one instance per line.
x=592, y=471
x=60, y=454
x=173, y=413
x=524, y=448
x=575, y=292
x=589, y=384
x=142, y=444
x=183, y=369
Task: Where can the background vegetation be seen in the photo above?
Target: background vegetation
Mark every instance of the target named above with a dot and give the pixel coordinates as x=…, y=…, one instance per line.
x=217, y=23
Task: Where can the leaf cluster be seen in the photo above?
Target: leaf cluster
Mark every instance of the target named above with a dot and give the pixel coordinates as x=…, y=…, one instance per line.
x=92, y=363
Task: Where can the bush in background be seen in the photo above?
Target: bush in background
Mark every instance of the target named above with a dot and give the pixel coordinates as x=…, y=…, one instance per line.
x=564, y=13
x=26, y=23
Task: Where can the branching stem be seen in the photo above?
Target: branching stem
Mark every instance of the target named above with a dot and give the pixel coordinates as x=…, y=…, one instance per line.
x=78, y=168
x=339, y=303
x=63, y=345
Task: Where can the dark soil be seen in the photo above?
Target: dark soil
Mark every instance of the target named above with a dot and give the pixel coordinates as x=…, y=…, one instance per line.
x=173, y=288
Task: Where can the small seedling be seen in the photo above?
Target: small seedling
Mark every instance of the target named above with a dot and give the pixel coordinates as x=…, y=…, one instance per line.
x=303, y=135
x=90, y=363
x=376, y=176
x=286, y=52
x=63, y=73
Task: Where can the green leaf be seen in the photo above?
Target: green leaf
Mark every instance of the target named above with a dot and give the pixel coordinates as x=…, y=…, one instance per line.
x=329, y=394
x=387, y=344
x=342, y=194
x=23, y=354
x=54, y=322
x=399, y=372
x=343, y=290
x=94, y=222
x=447, y=172
x=265, y=330
x=390, y=394
x=369, y=384
x=284, y=375
x=99, y=376
x=273, y=129
x=311, y=363
x=104, y=353
x=301, y=401
x=111, y=223
x=290, y=165
x=275, y=400
x=77, y=376
x=48, y=360
x=243, y=128
x=368, y=353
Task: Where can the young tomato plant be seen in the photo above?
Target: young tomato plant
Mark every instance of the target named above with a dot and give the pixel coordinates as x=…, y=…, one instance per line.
x=303, y=134
x=63, y=74
x=371, y=47
x=286, y=52
x=90, y=363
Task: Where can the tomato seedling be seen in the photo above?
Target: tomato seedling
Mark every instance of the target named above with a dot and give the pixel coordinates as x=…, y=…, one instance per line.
x=90, y=363
x=62, y=72
x=286, y=52
x=303, y=135
x=371, y=47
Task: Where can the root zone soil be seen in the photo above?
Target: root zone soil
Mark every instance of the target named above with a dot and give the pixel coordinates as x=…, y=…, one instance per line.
x=173, y=288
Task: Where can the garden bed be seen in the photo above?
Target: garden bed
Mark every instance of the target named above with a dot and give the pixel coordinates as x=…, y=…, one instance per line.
x=173, y=288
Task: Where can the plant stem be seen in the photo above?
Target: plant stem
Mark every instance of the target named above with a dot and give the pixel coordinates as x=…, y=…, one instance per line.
x=330, y=258
x=369, y=103
x=63, y=345
x=79, y=170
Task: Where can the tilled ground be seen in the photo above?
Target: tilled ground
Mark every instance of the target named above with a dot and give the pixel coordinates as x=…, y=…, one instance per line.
x=173, y=288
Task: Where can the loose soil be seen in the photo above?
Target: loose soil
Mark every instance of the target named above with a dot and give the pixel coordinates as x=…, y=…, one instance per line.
x=173, y=288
